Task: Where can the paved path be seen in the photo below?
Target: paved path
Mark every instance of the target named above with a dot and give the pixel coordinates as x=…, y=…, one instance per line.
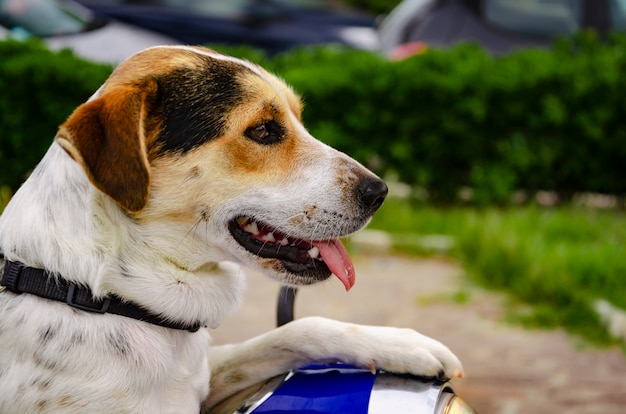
x=508, y=370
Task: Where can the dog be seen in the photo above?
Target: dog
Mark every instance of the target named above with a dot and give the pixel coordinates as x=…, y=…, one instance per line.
x=184, y=165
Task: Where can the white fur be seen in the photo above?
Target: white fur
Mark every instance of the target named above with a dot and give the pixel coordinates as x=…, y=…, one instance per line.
x=59, y=360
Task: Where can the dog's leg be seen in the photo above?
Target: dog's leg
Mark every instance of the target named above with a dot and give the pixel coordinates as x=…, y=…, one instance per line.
x=316, y=339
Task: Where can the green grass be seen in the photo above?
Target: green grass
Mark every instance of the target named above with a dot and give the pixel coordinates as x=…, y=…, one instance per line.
x=559, y=260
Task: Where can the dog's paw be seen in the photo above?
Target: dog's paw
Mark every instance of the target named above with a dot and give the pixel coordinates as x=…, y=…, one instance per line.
x=405, y=351
x=401, y=351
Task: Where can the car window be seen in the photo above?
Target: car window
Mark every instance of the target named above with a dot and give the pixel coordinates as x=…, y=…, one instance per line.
x=226, y=9
x=222, y=8
x=618, y=14
x=313, y=4
x=545, y=18
x=231, y=7
x=40, y=18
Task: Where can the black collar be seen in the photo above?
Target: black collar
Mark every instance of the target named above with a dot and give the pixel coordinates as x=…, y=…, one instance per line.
x=19, y=278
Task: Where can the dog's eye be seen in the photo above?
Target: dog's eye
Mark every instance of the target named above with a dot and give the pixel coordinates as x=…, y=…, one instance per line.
x=266, y=133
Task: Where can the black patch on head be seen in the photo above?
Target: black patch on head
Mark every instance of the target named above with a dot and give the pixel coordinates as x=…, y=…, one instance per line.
x=195, y=103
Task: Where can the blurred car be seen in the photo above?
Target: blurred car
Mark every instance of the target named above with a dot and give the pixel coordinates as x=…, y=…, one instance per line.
x=64, y=24
x=272, y=25
x=500, y=26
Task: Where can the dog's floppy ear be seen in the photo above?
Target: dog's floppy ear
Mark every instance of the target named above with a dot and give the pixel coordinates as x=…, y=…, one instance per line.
x=106, y=136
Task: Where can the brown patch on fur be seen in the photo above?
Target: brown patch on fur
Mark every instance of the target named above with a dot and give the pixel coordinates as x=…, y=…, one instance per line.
x=151, y=63
x=194, y=173
x=235, y=377
x=107, y=137
x=42, y=405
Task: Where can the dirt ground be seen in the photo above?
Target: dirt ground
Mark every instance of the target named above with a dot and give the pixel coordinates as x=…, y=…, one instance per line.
x=508, y=369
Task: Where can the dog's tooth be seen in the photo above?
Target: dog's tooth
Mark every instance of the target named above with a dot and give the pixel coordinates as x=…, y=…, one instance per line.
x=283, y=242
x=252, y=228
x=242, y=221
x=314, y=252
x=269, y=237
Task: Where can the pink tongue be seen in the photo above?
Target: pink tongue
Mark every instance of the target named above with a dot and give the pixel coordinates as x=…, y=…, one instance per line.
x=336, y=258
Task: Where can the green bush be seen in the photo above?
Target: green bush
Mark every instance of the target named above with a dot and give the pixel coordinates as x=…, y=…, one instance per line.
x=38, y=91
x=444, y=120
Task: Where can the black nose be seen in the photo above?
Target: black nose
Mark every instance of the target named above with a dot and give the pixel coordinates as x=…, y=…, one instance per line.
x=372, y=192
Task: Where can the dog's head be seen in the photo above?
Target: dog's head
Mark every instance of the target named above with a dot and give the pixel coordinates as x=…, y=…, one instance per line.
x=213, y=147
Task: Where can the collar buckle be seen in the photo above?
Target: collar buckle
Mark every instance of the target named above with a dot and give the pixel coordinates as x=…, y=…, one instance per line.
x=94, y=306
x=11, y=275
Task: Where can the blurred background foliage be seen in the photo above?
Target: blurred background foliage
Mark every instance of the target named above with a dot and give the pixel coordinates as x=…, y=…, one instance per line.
x=39, y=89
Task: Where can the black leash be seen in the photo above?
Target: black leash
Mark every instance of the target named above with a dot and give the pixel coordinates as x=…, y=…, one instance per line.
x=19, y=278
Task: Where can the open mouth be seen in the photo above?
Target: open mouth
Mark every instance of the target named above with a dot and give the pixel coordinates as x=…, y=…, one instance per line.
x=311, y=259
